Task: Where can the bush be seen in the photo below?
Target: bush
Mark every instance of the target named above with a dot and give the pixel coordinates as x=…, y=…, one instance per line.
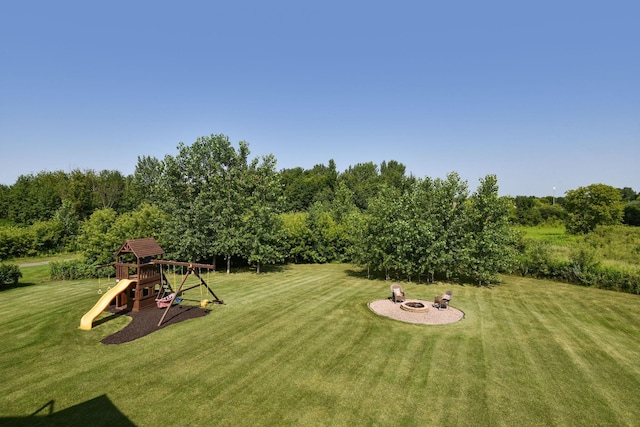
x=40, y=238
x=534, y=260
x=72, y=270
x=583, y=266
x=614, y=278
x=9, y=274
x=16, y=242
x=48, y=237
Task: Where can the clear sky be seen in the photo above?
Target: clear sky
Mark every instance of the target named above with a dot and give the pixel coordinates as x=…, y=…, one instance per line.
x=541, y=93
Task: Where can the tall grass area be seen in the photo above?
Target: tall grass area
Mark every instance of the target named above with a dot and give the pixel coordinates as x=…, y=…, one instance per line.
x=301, y=347
x=559, y=242
x=607, y=258
x=614, y=245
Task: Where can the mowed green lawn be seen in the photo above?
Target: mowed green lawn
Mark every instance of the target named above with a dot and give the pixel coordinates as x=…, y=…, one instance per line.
x=301, y=347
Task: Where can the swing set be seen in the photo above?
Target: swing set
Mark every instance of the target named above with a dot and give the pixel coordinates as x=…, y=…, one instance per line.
x=141, y=282
x=168, y=296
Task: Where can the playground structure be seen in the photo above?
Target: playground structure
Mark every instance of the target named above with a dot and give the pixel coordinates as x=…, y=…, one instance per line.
x=141, y=282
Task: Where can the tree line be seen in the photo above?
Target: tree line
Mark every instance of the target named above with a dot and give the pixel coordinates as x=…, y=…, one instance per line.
x=211, y=202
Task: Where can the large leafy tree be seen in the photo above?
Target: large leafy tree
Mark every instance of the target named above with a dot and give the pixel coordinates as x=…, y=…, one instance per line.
x=199, y=193
x=363, y=180
x=346, y=217
x=588, y=207
x=210, y=191
x=103, y=233
x=434, y=228
x=35, y=197
x=108, y=188
x=489, y=242
x=95, y=239
x=5, y=193
x=69, y=223
x=632, y=213
x=526, y=210
x=80, y=191
x=435, y=207
x=303, y=187
x=298, y=195
x=324, y=233
x=628, y=194
x=323, y=180
x=412, y=228
x=264, y=238
x=298, y=236
x=385, y=224
x=449, y=200
x=144, y=185
x=393, y=174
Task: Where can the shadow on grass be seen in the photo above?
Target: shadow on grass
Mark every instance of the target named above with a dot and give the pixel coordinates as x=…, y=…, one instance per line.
x=362, y=274
x=114, y=314
x=16, y=286
x=379, y=275
x=145, y=322
x=264, y=269
x=99, y=411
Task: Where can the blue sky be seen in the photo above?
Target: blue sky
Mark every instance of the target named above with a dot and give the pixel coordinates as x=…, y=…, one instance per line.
x=541, y=93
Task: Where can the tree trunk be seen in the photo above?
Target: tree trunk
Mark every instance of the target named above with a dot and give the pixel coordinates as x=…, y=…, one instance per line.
x=228, y=264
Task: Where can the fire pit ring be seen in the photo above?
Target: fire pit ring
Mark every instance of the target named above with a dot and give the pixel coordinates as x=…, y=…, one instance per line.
x=414, y=307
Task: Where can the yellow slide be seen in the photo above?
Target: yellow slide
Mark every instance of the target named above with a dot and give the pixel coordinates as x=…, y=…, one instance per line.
x=87, y=320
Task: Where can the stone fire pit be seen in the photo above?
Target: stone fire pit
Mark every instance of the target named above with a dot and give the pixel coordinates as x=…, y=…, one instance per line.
x=414, y=306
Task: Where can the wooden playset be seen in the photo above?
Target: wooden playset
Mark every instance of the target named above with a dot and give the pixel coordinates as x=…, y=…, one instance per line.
x=141, y=282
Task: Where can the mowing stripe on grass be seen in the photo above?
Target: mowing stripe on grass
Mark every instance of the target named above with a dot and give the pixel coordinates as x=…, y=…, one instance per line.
x=301, y=347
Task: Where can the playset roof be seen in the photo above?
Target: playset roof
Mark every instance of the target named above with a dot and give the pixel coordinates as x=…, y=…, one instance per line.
x=141, y=248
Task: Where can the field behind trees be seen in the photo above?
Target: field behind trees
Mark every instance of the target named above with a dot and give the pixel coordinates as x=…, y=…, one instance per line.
x=298, y=345
x=612, y=245
x=606, y=258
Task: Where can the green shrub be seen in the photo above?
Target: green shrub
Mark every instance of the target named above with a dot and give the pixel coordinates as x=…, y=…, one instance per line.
x=72, y=270
x=40, y=238
x=9, y=274
x=534, y=259
x=583, y=265
x=16, y=242
x=48, y=236
x=617, y=279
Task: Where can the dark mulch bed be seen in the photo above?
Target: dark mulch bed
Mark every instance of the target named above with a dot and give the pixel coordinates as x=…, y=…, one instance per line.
x=146, y=321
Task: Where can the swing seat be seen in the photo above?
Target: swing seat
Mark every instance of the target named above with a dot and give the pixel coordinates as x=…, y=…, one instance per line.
x=165, y=302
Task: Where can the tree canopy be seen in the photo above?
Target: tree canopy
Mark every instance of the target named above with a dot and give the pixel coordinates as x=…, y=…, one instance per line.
x=596, y=204
x=219, y=203
x=211, y=200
